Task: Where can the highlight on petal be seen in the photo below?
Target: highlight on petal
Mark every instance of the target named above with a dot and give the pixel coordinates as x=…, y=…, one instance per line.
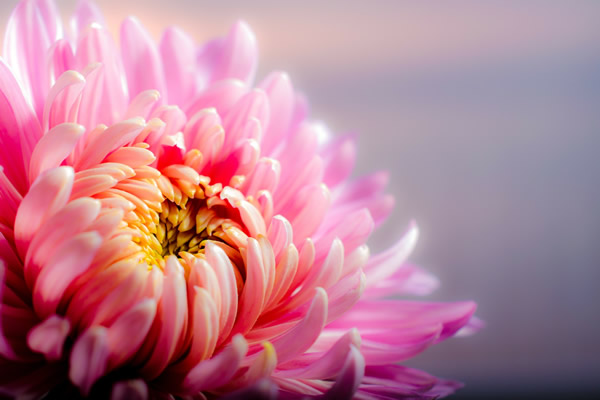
x=169, y=230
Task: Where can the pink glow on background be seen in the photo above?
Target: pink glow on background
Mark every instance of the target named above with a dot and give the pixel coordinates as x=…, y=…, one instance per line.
x=488, y=116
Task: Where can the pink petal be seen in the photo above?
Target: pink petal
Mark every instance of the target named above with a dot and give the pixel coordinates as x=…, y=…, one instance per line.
x=280, y=93
x=229, y=301
x=218, y=370
x=234, y=56
x=60, y=60
x=86, y=14
x=141, y=60
x=349, y=378
x=383, y=265
x=322, y=365
x=177, y=52
x=53, y=148
x=47, y=195
x=71, y=259
x=253, y=294
x=104, y=98
x=220, y=95
x=308, y=209
x=339, y=158
x=205, y=328
x=143, y=104
x=10, y=199
x=406, y=280
x=89, y=358
x=136, y=319
x=253, y=105
x=130, y=390
x=32, y=28
x=49, y=337
x=303, y=335
x=172, y=317
x=19, y=127
x=109, y=140
x=64, y=97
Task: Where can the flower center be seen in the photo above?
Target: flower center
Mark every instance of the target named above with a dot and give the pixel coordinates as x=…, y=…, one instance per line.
x=188, y=217
x=186, y=229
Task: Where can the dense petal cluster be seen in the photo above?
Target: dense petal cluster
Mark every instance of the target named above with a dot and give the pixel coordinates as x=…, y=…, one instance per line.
x=166, y=229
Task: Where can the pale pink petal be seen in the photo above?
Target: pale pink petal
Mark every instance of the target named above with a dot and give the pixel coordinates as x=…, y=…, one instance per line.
x=87, y=13
x=142, y=104
x=382, y=266
x=177, y=52
x=220, y=95
x=339, y=157
x=406, y=280
x=104, y=97
x=32, y=28
x=64, y=97
x=47, y=195
x=53, y=148
x=281, y=96
x=303, y=335
x=234, y=56
x=60, y=60
x=253, y=105
x=141, y=59
x=109, y=140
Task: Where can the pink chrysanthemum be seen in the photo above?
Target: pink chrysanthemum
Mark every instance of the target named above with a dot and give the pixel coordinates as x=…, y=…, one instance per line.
x=167, y=230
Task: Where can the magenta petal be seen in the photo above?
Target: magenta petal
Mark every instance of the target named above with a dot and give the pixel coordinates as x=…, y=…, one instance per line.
x=19, y=129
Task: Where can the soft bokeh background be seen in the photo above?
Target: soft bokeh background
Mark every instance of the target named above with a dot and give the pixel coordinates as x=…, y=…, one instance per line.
x=488, y=115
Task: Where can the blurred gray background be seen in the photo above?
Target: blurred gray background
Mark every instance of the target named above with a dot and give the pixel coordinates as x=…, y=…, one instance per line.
x=487, y=114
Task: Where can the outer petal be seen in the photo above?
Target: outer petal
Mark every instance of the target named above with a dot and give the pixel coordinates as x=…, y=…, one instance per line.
x=32, y=28
x=234, y=56
x=141, y=59
x=177, y=52
x=19, y=129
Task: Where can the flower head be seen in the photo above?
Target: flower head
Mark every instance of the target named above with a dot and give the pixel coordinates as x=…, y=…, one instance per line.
x=167, y=228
